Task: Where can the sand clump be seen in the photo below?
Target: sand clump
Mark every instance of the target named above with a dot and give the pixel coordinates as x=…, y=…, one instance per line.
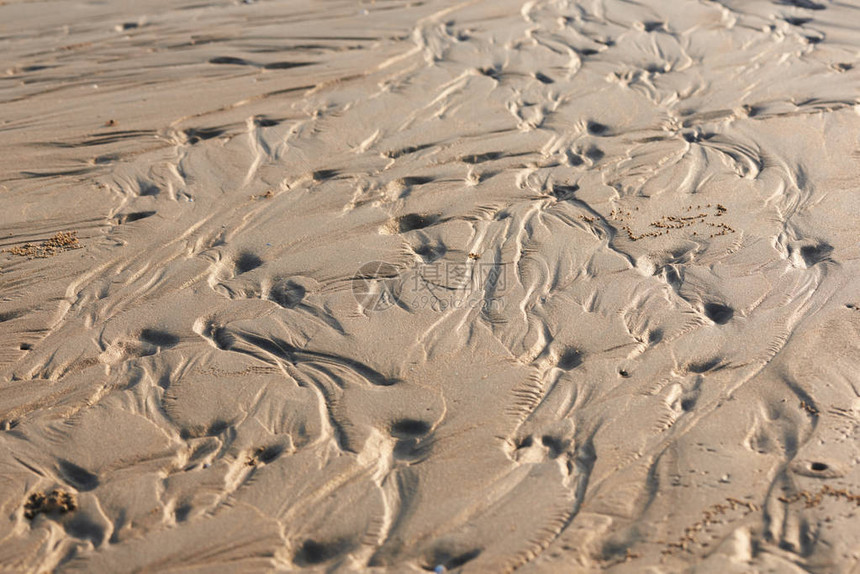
x=55, y=502
x=57, y=243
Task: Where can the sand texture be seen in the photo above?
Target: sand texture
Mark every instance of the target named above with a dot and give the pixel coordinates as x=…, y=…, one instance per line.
x=401, y=285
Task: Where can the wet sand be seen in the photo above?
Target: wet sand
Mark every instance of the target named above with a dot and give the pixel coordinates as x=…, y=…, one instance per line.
x=396, y=286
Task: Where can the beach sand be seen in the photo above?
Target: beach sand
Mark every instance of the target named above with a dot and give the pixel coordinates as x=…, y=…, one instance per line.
x=404, y=286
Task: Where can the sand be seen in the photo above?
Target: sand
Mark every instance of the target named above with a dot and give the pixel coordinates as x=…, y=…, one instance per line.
x=404, y=286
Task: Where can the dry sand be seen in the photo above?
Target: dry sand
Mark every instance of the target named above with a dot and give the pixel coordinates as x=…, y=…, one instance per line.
x=396, y=286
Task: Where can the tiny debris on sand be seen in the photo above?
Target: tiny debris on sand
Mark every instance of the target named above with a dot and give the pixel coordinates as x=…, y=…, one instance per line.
x=57, y=243
x=57, y=501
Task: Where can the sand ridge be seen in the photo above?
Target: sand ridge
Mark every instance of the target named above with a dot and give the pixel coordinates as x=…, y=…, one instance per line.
x=387, y=286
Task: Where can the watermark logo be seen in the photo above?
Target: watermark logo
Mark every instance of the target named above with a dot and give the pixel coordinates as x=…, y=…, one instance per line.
x=373, y=285
x=439, y=286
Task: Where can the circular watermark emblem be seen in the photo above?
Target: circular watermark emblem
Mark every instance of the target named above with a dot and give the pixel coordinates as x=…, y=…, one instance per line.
x=373, y=285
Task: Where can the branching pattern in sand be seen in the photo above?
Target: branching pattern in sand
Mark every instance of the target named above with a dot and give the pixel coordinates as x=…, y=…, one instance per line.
x=545, y=286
